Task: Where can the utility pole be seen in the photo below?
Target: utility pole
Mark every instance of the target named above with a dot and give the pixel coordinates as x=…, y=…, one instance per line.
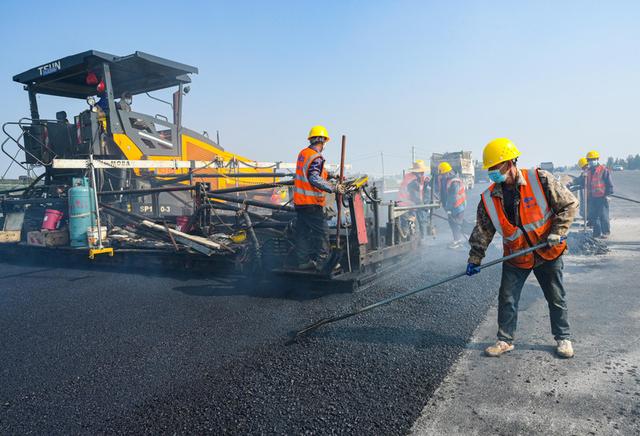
x=382, y=162
x=413, y=154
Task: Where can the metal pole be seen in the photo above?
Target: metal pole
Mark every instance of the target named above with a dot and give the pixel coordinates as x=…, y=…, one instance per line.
x=335, y=318
x=376, y=218
x=433, y=188
x=413, y=154
x=250, y=202
x=391, y=222
x=193, y=187
x=95, y=199
x=586, y=201
x=338, y=195
x=624, y=198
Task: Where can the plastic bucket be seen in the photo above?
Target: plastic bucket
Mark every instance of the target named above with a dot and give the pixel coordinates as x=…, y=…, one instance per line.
x=182, y=223
x=51, y=219
x=92, y=235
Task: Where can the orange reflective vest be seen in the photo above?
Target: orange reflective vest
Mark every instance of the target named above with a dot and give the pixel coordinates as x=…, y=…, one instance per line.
x=404, y=196
x=595, y=181
x=535, y=222
x=460, y=200
x=304, y=193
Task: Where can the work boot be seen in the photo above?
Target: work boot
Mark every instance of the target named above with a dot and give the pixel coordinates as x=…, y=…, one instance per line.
x=457, y=244
x=564, y=348
x=499, y=348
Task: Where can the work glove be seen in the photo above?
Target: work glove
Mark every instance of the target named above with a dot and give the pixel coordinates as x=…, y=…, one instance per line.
x=554, y=239
x=472, y=269
x=341, y=188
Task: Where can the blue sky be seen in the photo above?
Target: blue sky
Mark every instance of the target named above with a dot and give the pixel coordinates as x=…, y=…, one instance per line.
x=559, y=78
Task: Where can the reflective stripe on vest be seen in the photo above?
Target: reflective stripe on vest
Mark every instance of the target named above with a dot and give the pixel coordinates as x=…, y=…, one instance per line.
x=535, y=217
x=595, y=181
x=304, y=193
x=461, y=195
x=404, y=197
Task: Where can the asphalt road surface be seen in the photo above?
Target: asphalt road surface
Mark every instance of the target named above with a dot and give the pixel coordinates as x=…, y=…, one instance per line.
x=89, y=351
x=86, y=351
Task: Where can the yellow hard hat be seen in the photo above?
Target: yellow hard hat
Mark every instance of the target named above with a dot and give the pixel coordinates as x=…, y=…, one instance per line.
x=593, y=155
x=497, y=151
x=583, y=162
x=418, y=167
x=444, y=168
x=318, y=131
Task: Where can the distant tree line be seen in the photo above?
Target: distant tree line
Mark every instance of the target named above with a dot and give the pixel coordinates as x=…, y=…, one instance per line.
x=630, y=163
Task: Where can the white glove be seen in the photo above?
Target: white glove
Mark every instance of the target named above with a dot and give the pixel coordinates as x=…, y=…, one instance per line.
x=553, y=239
x=340, y=188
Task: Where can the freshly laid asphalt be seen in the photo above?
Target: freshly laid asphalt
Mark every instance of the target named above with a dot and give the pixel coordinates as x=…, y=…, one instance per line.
x=89, y=351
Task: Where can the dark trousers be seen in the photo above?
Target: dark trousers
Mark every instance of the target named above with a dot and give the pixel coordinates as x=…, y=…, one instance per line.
x=311, y=234
x=598, y=209
x=422, y=217
x=549, y=275
x=455, y=222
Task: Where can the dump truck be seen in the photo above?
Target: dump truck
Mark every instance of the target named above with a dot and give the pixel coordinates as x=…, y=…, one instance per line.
x=145, y=190
x=460, y=161
x=547, y=166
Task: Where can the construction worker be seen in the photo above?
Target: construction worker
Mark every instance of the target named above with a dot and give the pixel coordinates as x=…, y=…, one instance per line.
x=599, y=185
x=412, y=185
x=583, y=163
x=454, y=200
x=125, y=102
x=310, y=185
x=426, y=189
x=526, y=207
x=411, y=192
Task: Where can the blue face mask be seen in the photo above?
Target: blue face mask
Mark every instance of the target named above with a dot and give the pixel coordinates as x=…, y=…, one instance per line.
x=496, y=176
x=593, y=163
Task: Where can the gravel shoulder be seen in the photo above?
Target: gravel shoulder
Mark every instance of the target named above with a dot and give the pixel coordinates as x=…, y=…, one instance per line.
x=530, y=390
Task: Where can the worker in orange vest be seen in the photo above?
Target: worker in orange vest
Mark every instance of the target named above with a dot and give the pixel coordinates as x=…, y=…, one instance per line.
x=526, y=207
x=599, y=186
x=309, y=191
x=453, y=198
x=412, y=185
x=412, y=192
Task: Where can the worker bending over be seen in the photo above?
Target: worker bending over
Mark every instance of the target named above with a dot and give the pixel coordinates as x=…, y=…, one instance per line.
x=526, y=207
x=454, y=200
x=309, y=191
x=599, y=184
